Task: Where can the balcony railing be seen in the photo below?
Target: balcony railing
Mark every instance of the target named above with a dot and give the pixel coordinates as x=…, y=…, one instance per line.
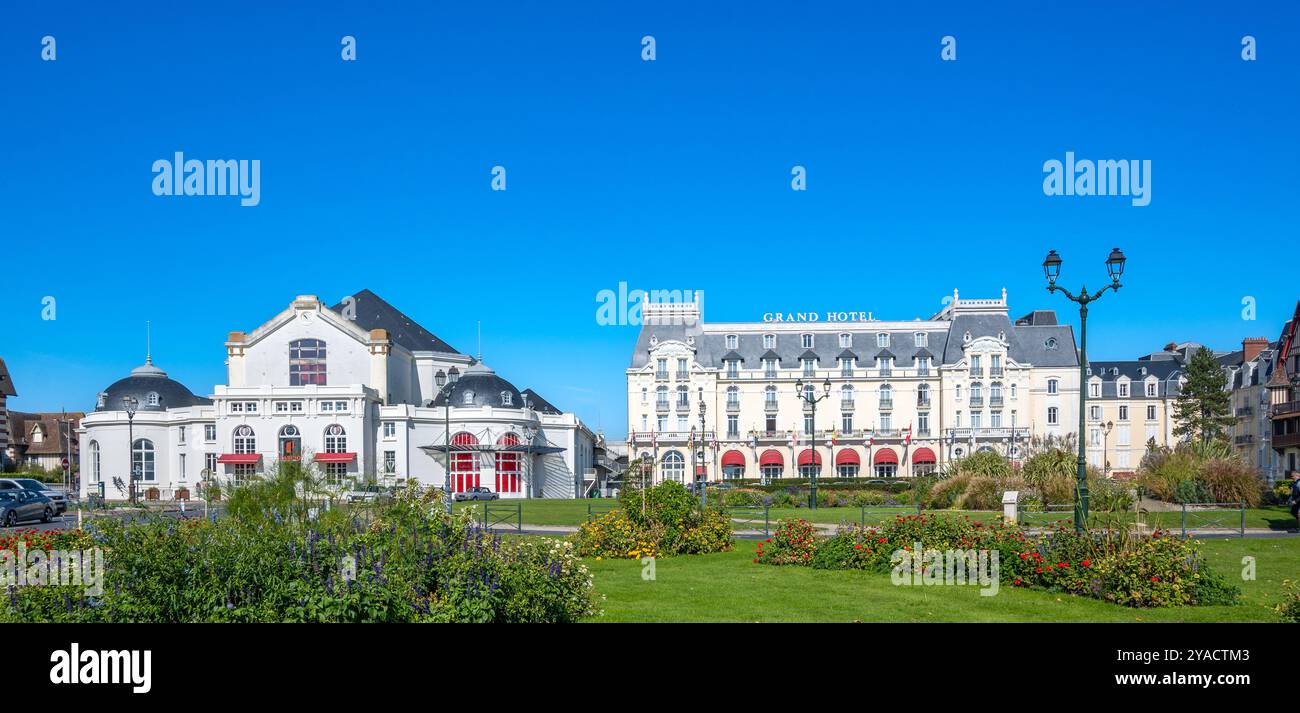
x=769, y=406
x=995, y=371
x=995, y=401
x=1245, y=411
x=683, y=405
x=683, y=376
x=886, y=404
x=976, y=401
x=846, y=404
x=661, y=405
x=1286, y=408
x=733, y=406
x=661, y=376
x=1244, y=439
x=977, y=371
x=923, y=402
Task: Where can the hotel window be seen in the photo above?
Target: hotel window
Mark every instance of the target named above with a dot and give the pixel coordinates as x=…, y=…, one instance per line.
x=336, y=441
x=1094, y=436
x=306, y=362
x=282, y=407
x=1094, y=390
x=1151, y=413
x=882, y=339
x=673, y=467
x=733, y=369
x=733, y=425
x=923, y=424
x=209, y=432
x=846, y=367
x=1151, y=389
x=1123, y=389
x=683, y=372
x=245, y=440
x=681, y=424
x=142, y=459
x=661, y=423
x=645, y=422
x=846, y=423
x=769, y=425
x=846, y=396
x=390, y=461
x=683, y=396
x=846, y=340
x=236, y=407
x=808, y=367
x=390, y=429
x=290, y=442
x=886, y=396
x=886, y=365
x=181, y=435
x=807, y=341
x=976, y=419
x=769, y=368
x=152, y=398
x=922, y=339
x=1013, y=392
x=923, y=395
x=733, y=396
x=1013, y=418
x=1122, y=459
x=923, y=366
x=808, y=393
x=769, y=341
x=466, y=398
x=956, y=391
x=957, y=420
x=1094, y=413
x=769, y=396
x=995, y=393
x=732, y=341
x=807, y=424
x=995, y=419
x=1053, y=386
x=976, y=366
x=1123, y=413
x=661, y=368
x=1151, y=433
x=1053, y=416
x=645, y=394
x=995, y=364
x=886, y=422
x=209, y=464
x=1121, y=437
x=250, y=407
x=976, y=393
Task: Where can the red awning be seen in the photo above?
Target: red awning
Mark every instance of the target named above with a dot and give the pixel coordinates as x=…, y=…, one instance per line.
x=701, y=470
x=733, y=458
x=924, y=455
x=809, y=457
x=847, y=456
x=335, y=457
x=885, y=456
x=771, y=457
x=239, y=458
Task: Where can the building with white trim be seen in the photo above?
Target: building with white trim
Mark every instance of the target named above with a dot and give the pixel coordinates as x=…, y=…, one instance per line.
x=358, y=388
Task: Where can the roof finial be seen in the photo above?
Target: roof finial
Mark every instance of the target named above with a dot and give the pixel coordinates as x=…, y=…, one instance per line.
x=148, y=342
x=480, y=340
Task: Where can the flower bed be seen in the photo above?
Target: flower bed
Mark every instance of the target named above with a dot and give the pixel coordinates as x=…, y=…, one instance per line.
x=664, y=520
x=1141, y=571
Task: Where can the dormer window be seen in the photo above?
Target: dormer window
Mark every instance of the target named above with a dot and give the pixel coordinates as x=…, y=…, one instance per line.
x=846, y=340
x=467, y=398
x=882, y=339
x=807, y=341
x=732, y=341
x=152, y=399
x=769, y=341
x=1050, y=343
x=922, y=339
x=507, y=398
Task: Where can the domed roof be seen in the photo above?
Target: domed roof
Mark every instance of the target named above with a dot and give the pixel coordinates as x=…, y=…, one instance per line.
x=480, y=386
x=152, y=390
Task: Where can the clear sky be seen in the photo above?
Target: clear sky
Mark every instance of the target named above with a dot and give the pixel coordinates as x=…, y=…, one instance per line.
x=922, y=175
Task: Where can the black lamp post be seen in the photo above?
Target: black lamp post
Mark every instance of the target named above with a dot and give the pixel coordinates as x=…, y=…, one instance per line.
x=1052, y=269
x=701, y=461
x=1105, y=447
x=810, y=399
x=131, y=404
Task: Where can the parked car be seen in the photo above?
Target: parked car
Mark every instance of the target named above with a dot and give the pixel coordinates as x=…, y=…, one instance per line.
x=479, y=493
x=18, y=504
x=367, y=493
x=59, y=499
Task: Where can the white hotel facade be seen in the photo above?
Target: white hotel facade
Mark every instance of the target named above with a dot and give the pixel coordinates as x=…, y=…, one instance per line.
x=358, y=388
x=904, y=397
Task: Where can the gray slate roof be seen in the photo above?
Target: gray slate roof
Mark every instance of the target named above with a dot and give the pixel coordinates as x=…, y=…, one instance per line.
x=372, y=312
x=1167, y=371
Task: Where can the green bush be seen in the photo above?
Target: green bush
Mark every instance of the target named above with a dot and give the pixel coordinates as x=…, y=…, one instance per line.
x=792, y=543
x=664, y=520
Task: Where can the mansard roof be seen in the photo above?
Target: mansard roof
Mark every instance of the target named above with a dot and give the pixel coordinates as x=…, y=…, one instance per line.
x=372, y=312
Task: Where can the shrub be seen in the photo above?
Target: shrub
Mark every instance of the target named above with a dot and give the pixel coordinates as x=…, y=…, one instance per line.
x=1289, y=608
x=1231, y=481
x=791, y=543
x=670, y=524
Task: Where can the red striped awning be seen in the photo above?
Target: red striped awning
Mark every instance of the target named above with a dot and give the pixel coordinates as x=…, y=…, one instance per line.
x=924, y=455
x=771, y=457
x=848, y=456
x=239, y=458
x=810, y=457
x=335, y=457
x=733, y=458
x=885, y=456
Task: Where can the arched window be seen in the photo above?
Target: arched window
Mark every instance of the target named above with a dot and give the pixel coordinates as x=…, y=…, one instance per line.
x=507, y=465
x=1053, y=386
x=464, y=463
x=94, y=462
x=923, y=395
x=661, y=397
x=152, y=399
x=976, y=392
x=467, y=397
x=886, y=395
x=733, y=396
x=506, y=398
x=245, y=440
x=142, y=459
x=336, y=439
x=306, y=362
x=290, y=442
x=769, y=396
x=995, y=393
x=846, y=395
x=673, y=467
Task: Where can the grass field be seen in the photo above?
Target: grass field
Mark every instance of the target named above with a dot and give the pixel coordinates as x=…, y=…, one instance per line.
x=573, y=512
x=728, y=587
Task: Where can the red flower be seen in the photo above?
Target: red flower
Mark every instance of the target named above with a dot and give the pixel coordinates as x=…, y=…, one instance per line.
x=1017, y=582
x=857, y=547
x=1086, y=563
x=1155, y=579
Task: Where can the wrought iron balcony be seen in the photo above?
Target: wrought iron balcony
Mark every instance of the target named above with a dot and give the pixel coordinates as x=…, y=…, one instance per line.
x=683, y=376
x=976, y=401
x=846, y=404
x=886, y=404
x=661, y=405
x=995, y=401
x=733, y=406
x=1244, y=439
x=923, y=402
x=995, y=371
x=977, y=371
x=770, y=406
x=1286, y=409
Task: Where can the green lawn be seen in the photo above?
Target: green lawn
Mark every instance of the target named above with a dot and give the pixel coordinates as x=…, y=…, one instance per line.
x=573, y=512
x=729, y=587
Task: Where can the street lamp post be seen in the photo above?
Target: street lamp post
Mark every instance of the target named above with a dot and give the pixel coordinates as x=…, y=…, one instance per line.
x=1052, y=269
x=701, y=462
x=130, y=404
x=1105, y=448
x=530, y=434
x=810, y=399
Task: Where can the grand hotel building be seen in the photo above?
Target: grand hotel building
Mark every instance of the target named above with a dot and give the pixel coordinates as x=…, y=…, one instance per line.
x=904, y=397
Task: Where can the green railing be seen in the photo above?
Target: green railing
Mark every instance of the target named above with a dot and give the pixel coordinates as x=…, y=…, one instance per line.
x=502, y=513
x=1049, y=516
x=1213, y=516
x=750, y=517
x=600, y=506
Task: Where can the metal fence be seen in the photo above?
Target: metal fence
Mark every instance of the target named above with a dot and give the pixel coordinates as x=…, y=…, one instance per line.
x=750, y=517
x=1213, y=516
x=600, y=506
x=501, y=513
x=1049, y=516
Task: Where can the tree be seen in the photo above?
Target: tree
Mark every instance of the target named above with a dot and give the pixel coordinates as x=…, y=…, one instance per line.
x=1203, y=410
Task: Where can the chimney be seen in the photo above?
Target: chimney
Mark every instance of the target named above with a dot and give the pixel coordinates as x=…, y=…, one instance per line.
x=1252, y=346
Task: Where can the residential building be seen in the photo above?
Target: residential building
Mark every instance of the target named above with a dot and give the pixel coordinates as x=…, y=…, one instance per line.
x=1284, y=397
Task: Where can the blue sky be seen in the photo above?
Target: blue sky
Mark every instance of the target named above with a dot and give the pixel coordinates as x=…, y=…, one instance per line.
x=923, y=175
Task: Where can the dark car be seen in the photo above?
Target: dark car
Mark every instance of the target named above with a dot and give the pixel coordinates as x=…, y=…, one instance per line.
x=479, y=493
x=17, y=505
x=59, y=499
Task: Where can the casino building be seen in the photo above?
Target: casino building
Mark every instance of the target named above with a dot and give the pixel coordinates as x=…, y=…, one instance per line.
x=899, y=398
x=358, y=388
